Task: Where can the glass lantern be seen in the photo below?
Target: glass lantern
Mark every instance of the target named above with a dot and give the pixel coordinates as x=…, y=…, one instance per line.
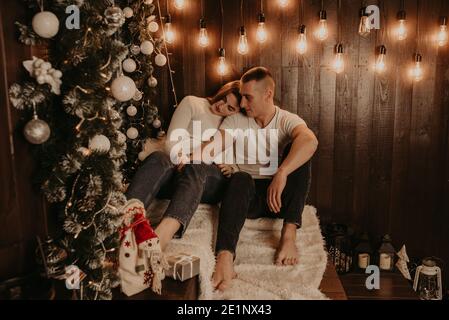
x=386, y=254
x=339, y=246
x=428, y=280
x=363, y=253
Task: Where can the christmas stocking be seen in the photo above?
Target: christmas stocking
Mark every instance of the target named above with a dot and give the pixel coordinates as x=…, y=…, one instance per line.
x=142, y=264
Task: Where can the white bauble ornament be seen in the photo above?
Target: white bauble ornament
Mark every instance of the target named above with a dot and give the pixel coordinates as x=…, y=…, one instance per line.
x=138, y=96
x=45, y=24
x=160, y=60
x=131, y=111
x=123, y=88
x=135, y=49
x=153, y=26
x=152, y=82
x=128, y=12
x=100, y=143
x=157, y=123
x=121, y=138
x=84, y=151
x=142, y=155
x=147, y=47
x=132, y=133
x=37, y=131
x=129, y=65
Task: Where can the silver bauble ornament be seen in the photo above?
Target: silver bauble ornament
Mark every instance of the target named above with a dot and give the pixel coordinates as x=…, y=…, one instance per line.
x=131, y=111
x=45, y=24
x=129, y=65
x=153, y=26
x=147, y=47
x=160, y=60
x=132, y=133
x=100, y=143
x=123, y=88
x=152, y=82
x=128, y=12
x=135, y=49
x=37, y=131
x=114, y=17
x=157, y=123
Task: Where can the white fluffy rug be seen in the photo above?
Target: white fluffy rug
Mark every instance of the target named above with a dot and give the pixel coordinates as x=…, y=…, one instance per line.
x=258, y=278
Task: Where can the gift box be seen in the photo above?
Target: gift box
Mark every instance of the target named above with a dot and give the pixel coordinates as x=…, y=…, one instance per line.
x=183, y=267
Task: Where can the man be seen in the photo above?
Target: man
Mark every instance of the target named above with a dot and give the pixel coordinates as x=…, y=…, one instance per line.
x=254, y=193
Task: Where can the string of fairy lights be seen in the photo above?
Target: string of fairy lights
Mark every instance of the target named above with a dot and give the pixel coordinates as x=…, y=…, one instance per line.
x=321, y=33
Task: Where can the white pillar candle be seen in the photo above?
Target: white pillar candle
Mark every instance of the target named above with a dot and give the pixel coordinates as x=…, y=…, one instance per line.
x=363, y=260
x=385, y=261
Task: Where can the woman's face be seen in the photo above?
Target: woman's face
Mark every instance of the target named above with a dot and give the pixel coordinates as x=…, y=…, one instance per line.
x=227, y=106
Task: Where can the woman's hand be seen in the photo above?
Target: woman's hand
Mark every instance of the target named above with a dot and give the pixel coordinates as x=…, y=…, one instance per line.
x=226, y=170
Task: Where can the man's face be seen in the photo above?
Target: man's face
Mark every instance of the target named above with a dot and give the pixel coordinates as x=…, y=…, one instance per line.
x=252, y=98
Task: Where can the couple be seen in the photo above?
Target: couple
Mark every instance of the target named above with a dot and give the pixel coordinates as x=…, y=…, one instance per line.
x=241, y=188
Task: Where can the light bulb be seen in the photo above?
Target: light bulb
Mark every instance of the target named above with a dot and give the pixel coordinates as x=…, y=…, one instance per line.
x=380, y=65
x=339, y=62
x=417, y=72
x=261, y=34
x=169, y=34
x=442, y=35
x=179, y=4
x=301, y=45
x=364, y=26
x=322, y=31
x=401, y=31
x=203, y=38
x=283, y=3
x=243, y=42
x=222, y=68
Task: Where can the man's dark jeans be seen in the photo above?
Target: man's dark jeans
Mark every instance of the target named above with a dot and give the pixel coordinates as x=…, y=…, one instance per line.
x=158, y=178
x=247, y=198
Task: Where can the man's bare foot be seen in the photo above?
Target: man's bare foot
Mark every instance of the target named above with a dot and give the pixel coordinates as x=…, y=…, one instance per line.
x=224, y=271
x=287, y=252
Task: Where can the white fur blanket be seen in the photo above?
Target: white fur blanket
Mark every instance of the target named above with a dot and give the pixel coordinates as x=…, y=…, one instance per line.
x=258, y=278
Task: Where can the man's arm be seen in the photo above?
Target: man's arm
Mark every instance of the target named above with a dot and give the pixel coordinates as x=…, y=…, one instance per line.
x=304, y=146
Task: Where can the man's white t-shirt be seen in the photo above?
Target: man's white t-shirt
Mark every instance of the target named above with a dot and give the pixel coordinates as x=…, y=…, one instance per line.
x=283, y=123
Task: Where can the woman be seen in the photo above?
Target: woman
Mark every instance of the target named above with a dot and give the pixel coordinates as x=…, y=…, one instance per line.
x=193, y=184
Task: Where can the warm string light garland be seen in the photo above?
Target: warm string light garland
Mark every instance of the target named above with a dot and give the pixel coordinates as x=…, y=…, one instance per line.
x=441, y=37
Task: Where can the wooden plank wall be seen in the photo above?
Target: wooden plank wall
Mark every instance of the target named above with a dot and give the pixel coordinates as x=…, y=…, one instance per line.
x=383, y=162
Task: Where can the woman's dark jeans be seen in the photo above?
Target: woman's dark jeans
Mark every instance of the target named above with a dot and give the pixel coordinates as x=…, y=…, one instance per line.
x=195, y=184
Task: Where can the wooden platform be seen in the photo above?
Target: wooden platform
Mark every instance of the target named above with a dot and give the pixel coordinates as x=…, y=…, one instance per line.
x=331, y=285
x=393, y=286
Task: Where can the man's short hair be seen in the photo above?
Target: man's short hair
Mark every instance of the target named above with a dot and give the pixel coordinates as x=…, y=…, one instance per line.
x=258, y=74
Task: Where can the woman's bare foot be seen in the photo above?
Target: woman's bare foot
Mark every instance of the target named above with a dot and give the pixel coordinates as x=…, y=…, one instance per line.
x=224, y=271
x=287, y=252
x=166, y=230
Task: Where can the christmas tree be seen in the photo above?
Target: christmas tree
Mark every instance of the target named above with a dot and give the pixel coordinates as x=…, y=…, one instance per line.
x=95, y=97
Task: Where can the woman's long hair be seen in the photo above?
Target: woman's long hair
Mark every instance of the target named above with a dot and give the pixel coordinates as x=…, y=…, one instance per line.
x=230, y=87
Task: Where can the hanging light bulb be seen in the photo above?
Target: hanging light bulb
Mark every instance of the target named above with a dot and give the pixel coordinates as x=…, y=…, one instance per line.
x=417, y=72
x=222, y=68
x=322, y=31
x=364, y=26
x=243, y=42
x=442, y=37
x=283, y=3
x=339, y=62
x=169, y=34
x=380, y=65
x=180, y=4
x=401, y=31
x=203, y=38
x=301, y=45
x=261, y=34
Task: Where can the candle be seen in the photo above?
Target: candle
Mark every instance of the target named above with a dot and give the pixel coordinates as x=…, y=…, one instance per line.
x=363, y=260
x=385, y=261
